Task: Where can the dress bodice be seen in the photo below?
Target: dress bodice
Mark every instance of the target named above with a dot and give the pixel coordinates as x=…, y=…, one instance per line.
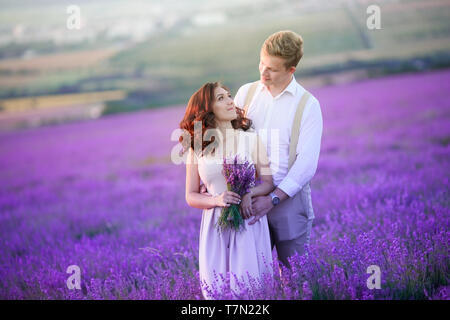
x=210, y=166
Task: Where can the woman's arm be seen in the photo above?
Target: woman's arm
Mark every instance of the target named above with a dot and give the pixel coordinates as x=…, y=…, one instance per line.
x=193, y=196
x=200, y=200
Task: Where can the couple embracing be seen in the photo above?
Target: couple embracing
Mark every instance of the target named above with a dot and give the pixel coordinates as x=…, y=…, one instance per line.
x=277, y=125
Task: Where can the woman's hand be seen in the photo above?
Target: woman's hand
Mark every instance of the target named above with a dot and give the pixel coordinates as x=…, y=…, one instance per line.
x=246, y=206
x=226, y=198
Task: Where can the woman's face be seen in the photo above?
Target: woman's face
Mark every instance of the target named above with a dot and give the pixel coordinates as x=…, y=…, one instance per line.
x=223, y=107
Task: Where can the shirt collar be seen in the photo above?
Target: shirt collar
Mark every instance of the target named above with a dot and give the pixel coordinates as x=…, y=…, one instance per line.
x=291, y=88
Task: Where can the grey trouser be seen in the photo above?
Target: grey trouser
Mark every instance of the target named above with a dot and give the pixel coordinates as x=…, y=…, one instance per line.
x=287, y=248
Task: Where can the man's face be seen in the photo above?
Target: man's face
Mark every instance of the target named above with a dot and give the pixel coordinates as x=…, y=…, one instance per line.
x=272, y=70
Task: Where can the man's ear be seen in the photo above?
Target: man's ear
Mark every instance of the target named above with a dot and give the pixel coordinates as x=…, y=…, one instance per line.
x=292, y=70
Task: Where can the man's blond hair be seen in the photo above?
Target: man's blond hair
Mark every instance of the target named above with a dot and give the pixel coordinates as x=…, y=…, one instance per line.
x=285, y=44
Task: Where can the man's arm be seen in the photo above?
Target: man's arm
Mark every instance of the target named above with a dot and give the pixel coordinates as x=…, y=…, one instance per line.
x=308, y=149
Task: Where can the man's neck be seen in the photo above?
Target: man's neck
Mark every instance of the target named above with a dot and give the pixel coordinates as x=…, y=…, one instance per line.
x=276, y=90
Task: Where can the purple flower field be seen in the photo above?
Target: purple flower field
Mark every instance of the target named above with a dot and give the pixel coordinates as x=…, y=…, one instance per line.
x=104, y=195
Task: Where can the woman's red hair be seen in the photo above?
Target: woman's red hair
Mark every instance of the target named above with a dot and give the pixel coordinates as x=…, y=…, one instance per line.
x=200, y=108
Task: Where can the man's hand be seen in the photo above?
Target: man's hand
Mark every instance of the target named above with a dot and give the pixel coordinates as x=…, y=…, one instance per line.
x=261, y=206
x=246, y=206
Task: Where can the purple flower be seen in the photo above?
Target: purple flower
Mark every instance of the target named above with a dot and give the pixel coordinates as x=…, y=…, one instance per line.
x=240, y=175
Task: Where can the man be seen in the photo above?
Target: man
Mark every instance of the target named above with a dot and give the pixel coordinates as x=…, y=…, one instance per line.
x=272, y=106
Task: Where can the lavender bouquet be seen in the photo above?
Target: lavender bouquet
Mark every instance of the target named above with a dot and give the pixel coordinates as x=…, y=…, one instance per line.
x=240, y=176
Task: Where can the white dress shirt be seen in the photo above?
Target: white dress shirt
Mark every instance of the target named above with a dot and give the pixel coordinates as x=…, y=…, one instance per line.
x=272, y=119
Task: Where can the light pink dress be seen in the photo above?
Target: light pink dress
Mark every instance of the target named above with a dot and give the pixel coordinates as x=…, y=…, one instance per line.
x=245, y=253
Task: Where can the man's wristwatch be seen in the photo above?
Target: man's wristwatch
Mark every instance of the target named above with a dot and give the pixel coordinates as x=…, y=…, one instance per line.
x=275, y=199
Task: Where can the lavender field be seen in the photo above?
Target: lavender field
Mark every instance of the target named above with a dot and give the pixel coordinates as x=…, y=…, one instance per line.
x=104, y=195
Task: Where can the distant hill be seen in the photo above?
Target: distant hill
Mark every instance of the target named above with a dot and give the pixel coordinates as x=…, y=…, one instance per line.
x=169, y=50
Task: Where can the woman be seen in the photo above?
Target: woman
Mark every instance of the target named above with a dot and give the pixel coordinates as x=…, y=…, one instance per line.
x=242, y=255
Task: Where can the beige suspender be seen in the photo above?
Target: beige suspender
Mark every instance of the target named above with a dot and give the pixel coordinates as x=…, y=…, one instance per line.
x=295, y=125
x=249, y=97
x=296, y=128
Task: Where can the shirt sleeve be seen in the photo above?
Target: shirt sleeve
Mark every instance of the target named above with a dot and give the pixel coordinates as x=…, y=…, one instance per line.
x=308, y=149
x=239, y=98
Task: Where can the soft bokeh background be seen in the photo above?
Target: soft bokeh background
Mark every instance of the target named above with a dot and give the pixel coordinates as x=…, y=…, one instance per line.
x=134, y=54
x=86, y=124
